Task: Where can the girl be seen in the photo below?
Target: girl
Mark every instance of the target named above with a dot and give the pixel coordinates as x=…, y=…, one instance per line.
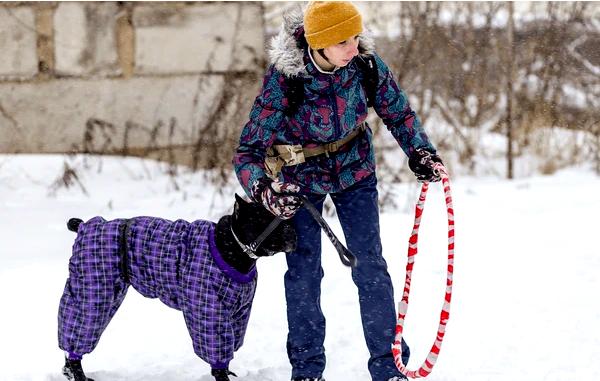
x=307, y=133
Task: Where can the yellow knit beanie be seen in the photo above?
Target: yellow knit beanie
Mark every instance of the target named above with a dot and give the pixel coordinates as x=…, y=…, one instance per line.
x=328, y=23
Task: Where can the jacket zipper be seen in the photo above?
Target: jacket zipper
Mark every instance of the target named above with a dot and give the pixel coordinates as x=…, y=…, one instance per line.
x=337, y=129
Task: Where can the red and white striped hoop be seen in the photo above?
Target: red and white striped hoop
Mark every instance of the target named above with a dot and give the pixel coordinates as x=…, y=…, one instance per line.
x=431, y=359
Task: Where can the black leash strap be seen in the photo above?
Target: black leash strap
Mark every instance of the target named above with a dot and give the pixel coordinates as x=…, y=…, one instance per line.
x=272, y=226
x=346, y=255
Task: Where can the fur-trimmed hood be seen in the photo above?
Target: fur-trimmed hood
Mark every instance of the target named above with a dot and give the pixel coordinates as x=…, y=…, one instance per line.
x=286, y=53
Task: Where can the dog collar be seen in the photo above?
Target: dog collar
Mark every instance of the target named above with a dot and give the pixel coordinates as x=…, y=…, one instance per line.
x=250, y=250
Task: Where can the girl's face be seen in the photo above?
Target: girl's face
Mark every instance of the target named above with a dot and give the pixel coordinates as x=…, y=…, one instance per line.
x=341, y=54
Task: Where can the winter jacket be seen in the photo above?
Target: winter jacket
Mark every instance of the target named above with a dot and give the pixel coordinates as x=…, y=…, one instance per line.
x=175, y=261
x=334, y=104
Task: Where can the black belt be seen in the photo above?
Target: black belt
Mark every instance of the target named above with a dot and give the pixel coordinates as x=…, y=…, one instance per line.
x=124, y=247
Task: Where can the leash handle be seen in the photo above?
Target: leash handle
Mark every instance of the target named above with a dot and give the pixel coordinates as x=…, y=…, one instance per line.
x=346, y=256
x=432, y=357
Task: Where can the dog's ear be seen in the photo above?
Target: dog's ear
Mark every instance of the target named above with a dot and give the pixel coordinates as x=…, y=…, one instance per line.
x=239, y=199
x=240, y=204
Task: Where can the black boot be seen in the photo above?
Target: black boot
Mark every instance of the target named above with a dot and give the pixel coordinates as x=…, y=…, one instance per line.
x=73, y=371
x=222, y=374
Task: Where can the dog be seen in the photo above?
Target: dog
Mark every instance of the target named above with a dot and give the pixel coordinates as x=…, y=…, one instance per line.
x=204, y=269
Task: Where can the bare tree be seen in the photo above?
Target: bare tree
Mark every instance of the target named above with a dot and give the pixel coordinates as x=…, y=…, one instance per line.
x=510, y=79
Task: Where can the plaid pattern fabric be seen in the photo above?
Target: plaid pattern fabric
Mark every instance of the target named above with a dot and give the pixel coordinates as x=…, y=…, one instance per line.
x=176, y=262
x=94, y=290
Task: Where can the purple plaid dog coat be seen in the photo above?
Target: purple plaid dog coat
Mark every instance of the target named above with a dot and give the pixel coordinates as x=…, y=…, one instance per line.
x=174, y=261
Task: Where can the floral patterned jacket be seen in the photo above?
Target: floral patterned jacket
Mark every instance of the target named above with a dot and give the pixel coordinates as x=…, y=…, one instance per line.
x=333, y=105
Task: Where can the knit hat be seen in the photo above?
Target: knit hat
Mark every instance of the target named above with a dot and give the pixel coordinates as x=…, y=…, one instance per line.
x=328, y=23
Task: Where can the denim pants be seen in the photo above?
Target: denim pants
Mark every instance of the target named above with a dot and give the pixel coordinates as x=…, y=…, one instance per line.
x=358, y=213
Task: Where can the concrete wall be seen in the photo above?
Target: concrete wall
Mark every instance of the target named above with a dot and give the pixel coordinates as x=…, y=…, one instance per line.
x=107, y=76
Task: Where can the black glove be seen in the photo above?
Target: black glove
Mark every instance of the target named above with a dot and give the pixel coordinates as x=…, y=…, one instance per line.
x=277, y=197
x=222, y=374
x=427, y=166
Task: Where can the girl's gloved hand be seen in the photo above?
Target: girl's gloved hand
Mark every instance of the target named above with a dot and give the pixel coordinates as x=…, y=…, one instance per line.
x=427, y=166
x=277, y=197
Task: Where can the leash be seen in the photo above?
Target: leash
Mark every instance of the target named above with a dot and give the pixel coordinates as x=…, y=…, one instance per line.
x=432, y=357
x=346, y=255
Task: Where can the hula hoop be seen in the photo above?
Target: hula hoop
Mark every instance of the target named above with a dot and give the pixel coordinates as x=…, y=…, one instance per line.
x=432, y=357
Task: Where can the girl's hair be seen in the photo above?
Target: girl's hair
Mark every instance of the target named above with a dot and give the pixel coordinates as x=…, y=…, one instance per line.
x=322, y=53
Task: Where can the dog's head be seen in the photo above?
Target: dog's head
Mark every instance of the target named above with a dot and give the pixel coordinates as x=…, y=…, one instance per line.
x=249, y=221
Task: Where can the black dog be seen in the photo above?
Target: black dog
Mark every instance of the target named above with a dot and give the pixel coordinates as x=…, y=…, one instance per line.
x=203, y=269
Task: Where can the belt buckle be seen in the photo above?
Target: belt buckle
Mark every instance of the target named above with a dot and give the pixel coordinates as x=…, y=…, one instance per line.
x=331, y=147
x=296, y=154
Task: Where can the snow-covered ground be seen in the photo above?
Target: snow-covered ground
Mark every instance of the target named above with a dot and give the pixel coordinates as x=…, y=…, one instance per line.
x=525, y=304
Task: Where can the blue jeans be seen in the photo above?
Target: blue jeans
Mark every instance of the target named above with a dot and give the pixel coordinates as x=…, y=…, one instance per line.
x=358, y=213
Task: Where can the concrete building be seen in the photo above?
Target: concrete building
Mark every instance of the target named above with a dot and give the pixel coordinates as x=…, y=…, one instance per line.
x=137, y=77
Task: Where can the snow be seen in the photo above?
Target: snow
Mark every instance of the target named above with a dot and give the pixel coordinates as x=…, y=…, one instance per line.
x=524, y=307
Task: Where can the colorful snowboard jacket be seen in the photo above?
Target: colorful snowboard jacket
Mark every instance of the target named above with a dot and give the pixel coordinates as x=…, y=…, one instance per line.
x=334, y=104
x=175, y=261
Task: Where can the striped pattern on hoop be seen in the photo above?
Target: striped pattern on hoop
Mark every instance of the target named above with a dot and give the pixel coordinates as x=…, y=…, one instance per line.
x=431, y=359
